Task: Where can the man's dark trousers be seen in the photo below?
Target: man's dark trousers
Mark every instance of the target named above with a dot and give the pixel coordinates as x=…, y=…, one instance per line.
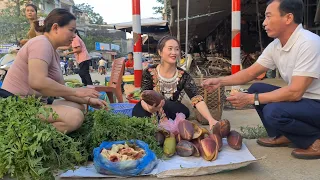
x=298, y=121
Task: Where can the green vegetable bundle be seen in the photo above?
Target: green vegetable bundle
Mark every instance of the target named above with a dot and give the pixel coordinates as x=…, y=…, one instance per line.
x=102, y=126
x=31, y=148
x=136, y=94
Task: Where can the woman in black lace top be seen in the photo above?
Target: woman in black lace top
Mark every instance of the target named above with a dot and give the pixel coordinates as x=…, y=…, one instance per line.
x=173, y=82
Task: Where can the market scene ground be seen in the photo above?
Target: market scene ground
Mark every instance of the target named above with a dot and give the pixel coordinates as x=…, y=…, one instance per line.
x=275, y=163
x=160, y=89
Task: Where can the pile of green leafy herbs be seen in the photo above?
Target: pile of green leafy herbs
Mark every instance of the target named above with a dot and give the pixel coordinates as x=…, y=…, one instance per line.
x=102, y=125
x=31, y=148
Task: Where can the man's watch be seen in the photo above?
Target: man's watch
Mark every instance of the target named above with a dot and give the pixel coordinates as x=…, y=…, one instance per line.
x=256, y=99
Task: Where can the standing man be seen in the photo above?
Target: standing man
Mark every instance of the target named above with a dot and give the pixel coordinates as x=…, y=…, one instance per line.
x=83, y=59
x=290, y=114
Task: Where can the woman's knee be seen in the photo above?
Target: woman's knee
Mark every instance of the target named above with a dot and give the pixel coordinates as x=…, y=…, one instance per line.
x=185, y=110
x=77, y=117
x=69, y=103
x=171, y=108
x=69, y=118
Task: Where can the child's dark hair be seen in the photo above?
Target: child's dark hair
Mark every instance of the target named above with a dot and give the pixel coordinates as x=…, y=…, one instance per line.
x=163, y=40
x=33, y=6
x=130, y=53
x=60, y=16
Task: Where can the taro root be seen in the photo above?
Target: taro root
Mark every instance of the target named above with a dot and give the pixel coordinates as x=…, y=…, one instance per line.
x=217, y=138
x=186, y=130
x=169, y=146
x=151, y=97
x=114, y=158
x=184, y=148
x=222, y=128
x=160, y=138
x=234, y=140
x=209, y=149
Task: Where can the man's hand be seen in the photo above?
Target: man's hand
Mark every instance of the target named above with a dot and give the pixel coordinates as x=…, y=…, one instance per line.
x=211, y=84
x=239, y=99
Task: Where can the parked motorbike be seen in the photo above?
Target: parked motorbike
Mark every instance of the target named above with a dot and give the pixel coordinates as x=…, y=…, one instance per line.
x=5, y=62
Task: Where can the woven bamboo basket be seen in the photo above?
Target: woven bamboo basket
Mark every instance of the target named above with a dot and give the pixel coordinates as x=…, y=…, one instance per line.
x=215, y=101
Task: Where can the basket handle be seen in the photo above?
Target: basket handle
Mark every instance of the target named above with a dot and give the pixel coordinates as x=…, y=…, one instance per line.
x=219, y=100
x=205, y=94
x=205, y=91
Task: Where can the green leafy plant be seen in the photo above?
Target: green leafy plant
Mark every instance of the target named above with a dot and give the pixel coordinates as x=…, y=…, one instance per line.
x=31, y=148
x=94, y=18
x=253, y=132
x=102, y=125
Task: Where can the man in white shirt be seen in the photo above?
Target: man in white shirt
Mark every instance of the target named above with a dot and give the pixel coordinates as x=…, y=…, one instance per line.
x=290, y=114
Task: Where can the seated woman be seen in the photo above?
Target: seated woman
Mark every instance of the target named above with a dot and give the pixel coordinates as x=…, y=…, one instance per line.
x=36, y=71
x=171, y=81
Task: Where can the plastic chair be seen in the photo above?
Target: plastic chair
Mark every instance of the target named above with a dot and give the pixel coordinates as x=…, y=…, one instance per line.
x=114, y=86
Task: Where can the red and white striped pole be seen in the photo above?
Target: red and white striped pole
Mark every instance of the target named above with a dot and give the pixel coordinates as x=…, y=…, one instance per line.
x=137, y=49
x=235, y=44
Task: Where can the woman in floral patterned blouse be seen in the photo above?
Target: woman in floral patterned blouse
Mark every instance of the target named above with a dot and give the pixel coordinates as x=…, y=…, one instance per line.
x=173, y=82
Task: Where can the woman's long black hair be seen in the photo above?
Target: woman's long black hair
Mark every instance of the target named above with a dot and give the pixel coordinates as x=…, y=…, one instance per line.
x=77, y=32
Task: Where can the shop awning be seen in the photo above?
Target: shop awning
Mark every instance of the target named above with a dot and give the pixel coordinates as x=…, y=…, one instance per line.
x=204, y=17
x=148, y=25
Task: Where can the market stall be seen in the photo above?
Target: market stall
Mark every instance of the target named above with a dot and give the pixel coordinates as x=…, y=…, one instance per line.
x=117, y=143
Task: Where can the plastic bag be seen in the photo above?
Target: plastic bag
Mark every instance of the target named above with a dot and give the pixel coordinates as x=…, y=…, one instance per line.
x=172, y=126
x=141, y=166
x=103, y=96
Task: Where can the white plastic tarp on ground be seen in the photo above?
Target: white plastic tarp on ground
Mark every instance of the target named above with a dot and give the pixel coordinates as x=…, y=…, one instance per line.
x=228, y=159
